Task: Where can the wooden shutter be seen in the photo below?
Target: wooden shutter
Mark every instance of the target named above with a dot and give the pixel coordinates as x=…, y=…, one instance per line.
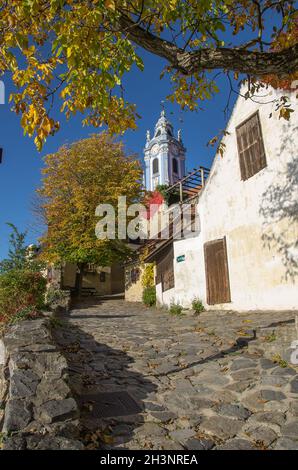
x=165, y=269
x=251, y=149
x=217, y=272
x=158, y=274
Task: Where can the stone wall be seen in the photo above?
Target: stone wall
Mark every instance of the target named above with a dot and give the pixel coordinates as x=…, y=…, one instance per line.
x=38, y=410
x=3, y=387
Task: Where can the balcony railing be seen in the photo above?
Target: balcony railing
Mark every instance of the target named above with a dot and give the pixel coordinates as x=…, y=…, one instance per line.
x=189, y=186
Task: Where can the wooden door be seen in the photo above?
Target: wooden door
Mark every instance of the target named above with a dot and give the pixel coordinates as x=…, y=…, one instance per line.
x=217, y=272
x=165, y=269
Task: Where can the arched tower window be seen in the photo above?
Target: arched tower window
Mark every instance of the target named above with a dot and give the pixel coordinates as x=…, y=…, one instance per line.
x=155, y=166
x=175, y=166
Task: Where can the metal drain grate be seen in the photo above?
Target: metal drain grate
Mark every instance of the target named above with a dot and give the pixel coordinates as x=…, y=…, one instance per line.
x=111, y=404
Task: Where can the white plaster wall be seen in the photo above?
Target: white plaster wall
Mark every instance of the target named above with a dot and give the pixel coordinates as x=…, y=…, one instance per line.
x=261, y=275
x=188, y=274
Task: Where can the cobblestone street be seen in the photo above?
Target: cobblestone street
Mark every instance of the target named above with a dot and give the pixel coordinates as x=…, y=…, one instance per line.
x=145, y=379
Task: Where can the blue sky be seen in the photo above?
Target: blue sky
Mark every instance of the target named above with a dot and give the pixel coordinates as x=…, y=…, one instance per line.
x=20, y=170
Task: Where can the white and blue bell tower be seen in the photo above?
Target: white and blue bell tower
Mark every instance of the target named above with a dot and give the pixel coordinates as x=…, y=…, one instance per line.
x=164, y=155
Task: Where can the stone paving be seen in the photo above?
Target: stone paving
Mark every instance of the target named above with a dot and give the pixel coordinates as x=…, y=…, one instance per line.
x=145, y=379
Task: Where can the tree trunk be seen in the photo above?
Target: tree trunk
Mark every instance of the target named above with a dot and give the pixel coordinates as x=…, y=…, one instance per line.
x=281, y=63
x=79, y=279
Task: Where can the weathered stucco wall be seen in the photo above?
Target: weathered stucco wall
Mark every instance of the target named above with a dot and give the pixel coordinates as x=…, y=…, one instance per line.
x=91, y=279
x=133, y=289
x=258, y=217
x=113, y=283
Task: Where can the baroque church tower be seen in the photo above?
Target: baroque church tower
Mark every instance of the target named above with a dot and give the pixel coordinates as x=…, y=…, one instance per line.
x=164, y=155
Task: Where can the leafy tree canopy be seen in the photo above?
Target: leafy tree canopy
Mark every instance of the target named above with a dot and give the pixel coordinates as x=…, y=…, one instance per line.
x=76, y=180
x=80, y=50
x=17, y=254
x=20, y=256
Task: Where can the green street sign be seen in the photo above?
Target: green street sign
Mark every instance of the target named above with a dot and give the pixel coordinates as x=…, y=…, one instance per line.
x=180, y=258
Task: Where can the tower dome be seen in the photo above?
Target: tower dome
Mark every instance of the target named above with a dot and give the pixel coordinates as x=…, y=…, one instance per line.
x=164, y=155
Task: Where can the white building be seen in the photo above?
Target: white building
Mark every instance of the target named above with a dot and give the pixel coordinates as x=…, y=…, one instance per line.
x=164, y=155
x=245, y=255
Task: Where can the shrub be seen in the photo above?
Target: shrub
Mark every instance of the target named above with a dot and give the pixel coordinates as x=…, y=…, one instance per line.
x=149, y=296
x=148, y=275
x=54, y=295
x=197, y=305
x=26, y=313
x=175, y=309
x=22, y=286
x=21, y=293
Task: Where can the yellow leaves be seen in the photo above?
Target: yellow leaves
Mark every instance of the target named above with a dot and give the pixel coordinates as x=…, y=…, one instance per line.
x=30, y=51
x=217, y=139
x=285, y=113
x=32, y=114
x=66, y=91
x=189, y=90
x=116, y=114
x=35, y=120
x=110, y=5
x=95, y=439
x=172, y=4
x=11, y=19
x=195, y=43
x=148, y=275
x=88, y=54
x=76, y=179
x=21, y=40
x=101, y=35
x=10, y=39
x=46, y=125
x=106, y=63
x=38, y=143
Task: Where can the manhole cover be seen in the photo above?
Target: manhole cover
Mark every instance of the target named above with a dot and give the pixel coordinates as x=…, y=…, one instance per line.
x=111, y=404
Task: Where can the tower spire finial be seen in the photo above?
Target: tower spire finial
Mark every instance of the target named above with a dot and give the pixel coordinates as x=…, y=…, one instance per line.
x=163, y=112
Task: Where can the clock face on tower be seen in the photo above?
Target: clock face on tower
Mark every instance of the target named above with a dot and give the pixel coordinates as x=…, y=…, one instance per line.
x=155, y=149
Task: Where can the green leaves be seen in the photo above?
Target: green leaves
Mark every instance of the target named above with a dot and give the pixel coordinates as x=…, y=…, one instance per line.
x=22, y=286
x=17, y=258
x=76, y=180
x=85, y=48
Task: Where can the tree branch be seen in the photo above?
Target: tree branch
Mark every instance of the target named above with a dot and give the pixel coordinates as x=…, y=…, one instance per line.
x=255, y=63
